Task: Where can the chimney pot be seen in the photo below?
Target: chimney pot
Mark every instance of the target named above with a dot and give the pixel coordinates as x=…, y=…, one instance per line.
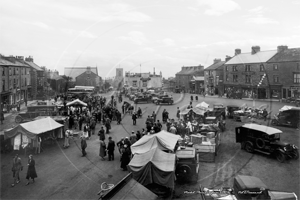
x=227, y=58
x=216, y=60
x=282, y=48
x=237, y=51
x=255, y=49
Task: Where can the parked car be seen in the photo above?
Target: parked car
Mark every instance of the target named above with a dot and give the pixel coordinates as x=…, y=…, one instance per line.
x=165, y=100
x=219, y=107
x=187, y=165
x=142, y=99
x=231, y=109
x=287, y=116
x=35, y=111
x=266, y=140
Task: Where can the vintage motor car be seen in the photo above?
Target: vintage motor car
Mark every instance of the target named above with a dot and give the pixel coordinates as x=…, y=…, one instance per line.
x=287, y=116
x=165, y=100
x=142, y=99
x=220, y=108
x=187, y=165
x=36, y=110
x=231, y=109
x=266, y=140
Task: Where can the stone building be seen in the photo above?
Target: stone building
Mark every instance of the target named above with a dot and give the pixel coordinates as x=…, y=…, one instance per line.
x=184, y=77
x=213, y=76
x=38, y=80
x=15, y=80
x=283, y=73
x=244, y=71
x=73, y=72
x=88, y=78
x=143, y=81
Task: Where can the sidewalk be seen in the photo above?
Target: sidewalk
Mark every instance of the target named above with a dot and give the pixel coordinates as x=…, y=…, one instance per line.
x=248, y=99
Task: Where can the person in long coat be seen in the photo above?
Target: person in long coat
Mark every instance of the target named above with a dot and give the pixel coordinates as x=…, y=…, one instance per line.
x=110, y=149
x=17, y=167
x=125, y=157
x=101, y=133
x=31, y=173
x=102, y=151
x=67, y=135
x=83, y=146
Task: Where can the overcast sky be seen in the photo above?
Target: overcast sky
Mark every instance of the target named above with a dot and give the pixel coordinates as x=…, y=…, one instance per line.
x=165, y=34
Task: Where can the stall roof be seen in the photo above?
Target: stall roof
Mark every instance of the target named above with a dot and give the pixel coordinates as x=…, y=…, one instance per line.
x=196, y=110
x=163, y=140
x=76, y=102
x=202, y=104
x=263, y=128
x=284, y=108
x=33, y=128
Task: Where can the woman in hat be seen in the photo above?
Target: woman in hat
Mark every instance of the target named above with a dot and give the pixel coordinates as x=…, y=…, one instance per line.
x=31, y=173
x=125, y=157
x=102, y=151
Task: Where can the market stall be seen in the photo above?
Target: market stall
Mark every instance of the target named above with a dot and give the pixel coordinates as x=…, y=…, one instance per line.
x=202, y=105
x=163, y=140
x=32, y=134
x=194, y=114
x=76, y=102
x=206, y=142
x=154, y=166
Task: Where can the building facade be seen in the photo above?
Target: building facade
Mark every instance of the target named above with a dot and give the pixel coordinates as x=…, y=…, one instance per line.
x=143, y=81
x=283, y=73
x=184, y=77
x=244, y=72
x=88, y=78
x=197, y=84
x=213, y=76
x=38, y=80
x=15, y=80
x=73, y=72
x=119, y=78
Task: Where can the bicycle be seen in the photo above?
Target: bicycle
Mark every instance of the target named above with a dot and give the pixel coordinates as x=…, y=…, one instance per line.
x=104, y=189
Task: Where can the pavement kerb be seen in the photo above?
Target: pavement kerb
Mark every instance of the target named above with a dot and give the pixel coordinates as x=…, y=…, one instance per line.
x=247, y=99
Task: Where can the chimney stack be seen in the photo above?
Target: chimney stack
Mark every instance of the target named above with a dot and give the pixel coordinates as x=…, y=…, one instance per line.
x=237, y=51
x=255, y=49
x=29, y=59
x=20, y=58
x=216, y=60
x=11, y=58
x=282, y=48
x=227, y=58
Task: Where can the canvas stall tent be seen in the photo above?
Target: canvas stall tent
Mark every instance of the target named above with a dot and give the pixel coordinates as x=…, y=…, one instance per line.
x=76, y=102
x=154, y=166
x=202, y=105
x=29, y=132
x=162, y=140
x=129, y=189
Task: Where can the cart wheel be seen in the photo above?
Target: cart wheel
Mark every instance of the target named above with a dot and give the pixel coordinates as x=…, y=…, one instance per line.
x=280, y=157
x=249, y=147
x=18, y=119
x=295, y=154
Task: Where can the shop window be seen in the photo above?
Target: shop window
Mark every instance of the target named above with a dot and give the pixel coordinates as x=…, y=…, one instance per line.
x=227, y=77
x=276, y=79
x=248, y=78
x=274, y=93
x=296, y=77
x=261, y=68
x=3, y=85
x=247, y=68
x=235, y=78
x=144, y=83
x=275, y=67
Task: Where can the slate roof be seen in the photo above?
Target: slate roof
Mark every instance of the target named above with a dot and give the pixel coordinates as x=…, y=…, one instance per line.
x=288, y=55
x=34, y=66
x=84, y=73
x=215, y=65
x=76, y=71
x=245, y=58
x=5, y=62
x=189, y=71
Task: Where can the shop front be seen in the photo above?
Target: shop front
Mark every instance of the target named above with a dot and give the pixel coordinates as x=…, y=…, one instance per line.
x=275, y=91
x=233, y=91
x=295, y=91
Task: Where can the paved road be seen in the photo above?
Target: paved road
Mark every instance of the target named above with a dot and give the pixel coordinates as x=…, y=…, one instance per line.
x=64, y=174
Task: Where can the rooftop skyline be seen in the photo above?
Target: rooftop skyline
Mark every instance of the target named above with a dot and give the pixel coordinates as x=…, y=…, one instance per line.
x=128, y=34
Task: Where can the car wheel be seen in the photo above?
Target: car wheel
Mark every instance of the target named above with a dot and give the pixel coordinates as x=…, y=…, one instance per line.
x=295, y=154
x=18, y=119
x=249, y=147
x=243, y=145
x=280, y=157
